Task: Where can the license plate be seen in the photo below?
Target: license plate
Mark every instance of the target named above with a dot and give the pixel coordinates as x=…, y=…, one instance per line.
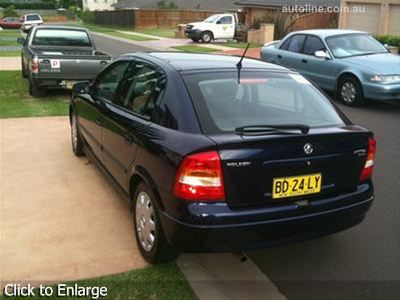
x=296, y=186
x=70, y=84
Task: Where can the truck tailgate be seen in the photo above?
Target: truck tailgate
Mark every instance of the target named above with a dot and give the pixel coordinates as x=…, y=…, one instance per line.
x=83, y=65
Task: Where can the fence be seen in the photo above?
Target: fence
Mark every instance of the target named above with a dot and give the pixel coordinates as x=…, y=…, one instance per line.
x=150, y=18
x=316, y=20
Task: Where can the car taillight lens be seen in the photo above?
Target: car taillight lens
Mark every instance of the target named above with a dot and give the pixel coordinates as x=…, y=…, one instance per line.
x=366, y=172
x=200, y=178
x=35, y=65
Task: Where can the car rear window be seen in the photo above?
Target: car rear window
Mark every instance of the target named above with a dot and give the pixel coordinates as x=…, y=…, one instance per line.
x=222, y=104
x=61, y=37
x=33, y=18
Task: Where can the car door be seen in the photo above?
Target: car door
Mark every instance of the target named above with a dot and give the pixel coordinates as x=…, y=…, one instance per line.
x=127, y=118
x=319, y=70
x=225, y=28
x=289, y=53
x=90, y=105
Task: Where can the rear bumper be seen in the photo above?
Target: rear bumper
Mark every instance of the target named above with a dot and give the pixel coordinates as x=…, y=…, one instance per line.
x=57, y=83
x=376, y=91
x=239, y=230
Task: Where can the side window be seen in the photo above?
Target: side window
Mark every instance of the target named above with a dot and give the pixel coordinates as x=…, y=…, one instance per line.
x=225, y=20
x=285, y=45
x=106, y=85
x=140, y=89
x=312, y=45
x=296, y=43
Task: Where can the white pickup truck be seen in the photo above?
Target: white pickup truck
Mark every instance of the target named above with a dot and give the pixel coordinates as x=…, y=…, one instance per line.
x=220, y=26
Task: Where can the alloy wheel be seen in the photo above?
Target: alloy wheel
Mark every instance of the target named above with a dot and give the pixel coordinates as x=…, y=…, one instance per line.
x=349, y=92
x=74, y=133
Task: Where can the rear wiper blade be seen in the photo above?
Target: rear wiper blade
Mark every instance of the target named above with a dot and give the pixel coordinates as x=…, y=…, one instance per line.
x=261, y=129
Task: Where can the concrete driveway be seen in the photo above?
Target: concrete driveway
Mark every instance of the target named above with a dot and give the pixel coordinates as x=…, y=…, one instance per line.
x=60, y=219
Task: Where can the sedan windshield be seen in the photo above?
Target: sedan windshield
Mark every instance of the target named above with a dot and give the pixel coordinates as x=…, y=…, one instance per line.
x=354, y=45
x=261, y=98
x=61, y=37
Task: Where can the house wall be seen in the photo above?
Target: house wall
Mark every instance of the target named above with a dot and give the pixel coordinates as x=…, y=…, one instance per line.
x=380, y=16
x=100, y=5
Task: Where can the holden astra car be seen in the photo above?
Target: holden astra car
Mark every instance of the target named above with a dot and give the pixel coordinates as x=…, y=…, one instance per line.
x=217, y=155
x=352, y=63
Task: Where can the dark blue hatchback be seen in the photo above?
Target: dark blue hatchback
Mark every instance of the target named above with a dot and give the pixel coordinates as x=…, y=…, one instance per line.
x=212, y=158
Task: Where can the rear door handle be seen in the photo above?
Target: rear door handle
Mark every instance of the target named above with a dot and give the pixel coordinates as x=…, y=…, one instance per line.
x=128, y=138
x=279, y=56
x=304, y=61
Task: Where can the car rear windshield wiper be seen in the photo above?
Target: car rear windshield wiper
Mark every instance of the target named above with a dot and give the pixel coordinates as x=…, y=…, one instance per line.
x=267, y=129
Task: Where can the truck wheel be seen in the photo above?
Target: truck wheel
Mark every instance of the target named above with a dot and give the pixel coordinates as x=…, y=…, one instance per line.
x=36, y=91
x=206, y=37
x=150, y=237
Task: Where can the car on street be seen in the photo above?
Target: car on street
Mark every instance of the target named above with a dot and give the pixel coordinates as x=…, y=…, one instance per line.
x=30, y=20
x=351, y=63
x=220, y=153
x=11, y=23
x=56, y=57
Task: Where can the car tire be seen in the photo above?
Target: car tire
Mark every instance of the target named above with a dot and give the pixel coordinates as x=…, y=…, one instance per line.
x=24, y=73
x=350, y=91
x=206, y=37
x=36, y=91
x=150, y=237
x=76, y=140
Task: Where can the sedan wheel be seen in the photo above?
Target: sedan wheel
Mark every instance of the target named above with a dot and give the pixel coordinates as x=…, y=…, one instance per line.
x=77, y=145
x=145, y=221
x=350, y=92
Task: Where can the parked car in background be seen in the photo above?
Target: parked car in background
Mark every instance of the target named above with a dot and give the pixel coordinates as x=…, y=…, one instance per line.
x=30, y=20
x=56, y=57
x=11, y=23
x=352, y=63
x=220, y=26
x=211, y=158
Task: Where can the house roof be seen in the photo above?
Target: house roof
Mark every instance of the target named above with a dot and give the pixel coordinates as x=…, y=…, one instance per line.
x=185, y=4
x=282, y=3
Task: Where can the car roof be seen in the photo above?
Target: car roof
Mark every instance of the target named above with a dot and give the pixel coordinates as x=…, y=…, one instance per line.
x=328, y=32
x=61, y=27
x=198, y=61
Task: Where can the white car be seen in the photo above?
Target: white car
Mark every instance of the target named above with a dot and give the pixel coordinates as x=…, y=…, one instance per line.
x=30, y=20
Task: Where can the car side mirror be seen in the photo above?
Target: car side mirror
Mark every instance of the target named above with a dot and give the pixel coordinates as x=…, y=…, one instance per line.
x=219, y=22
x=322, y=54
x=387, y=47
x=21, y=40
x=81, y=87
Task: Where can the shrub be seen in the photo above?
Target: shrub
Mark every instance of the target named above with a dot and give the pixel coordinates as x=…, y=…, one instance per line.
x=86, y=16
x=283, y=23
x=391, y=40
x=10, y=12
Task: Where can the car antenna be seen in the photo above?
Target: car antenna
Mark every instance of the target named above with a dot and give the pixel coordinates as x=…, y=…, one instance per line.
x=239, y=64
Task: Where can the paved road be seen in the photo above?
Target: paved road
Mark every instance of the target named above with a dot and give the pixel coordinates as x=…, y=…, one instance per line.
x=362, y=262
x=115, y=47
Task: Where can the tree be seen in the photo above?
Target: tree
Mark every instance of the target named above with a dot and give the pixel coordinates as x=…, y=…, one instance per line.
x=10, y=12
x=162, y=4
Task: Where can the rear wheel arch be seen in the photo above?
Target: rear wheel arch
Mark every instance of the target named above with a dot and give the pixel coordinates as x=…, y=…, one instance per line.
x=141, y=175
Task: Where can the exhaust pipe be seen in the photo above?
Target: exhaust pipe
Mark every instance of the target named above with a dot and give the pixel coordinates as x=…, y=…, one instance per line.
x=241, y=256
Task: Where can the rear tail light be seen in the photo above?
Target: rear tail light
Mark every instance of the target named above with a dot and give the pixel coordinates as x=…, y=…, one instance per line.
x=366, y=172
x=200, y=178
x=35, y=65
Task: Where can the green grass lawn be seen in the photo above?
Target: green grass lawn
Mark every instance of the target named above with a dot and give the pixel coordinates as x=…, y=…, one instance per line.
x=240, y=45
x=10, y=53
x=8, y=43
x=10, y=33
x=163, y=31
x=195, y=49
x=114, y=30
x=155, y=282
x=15, y=100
